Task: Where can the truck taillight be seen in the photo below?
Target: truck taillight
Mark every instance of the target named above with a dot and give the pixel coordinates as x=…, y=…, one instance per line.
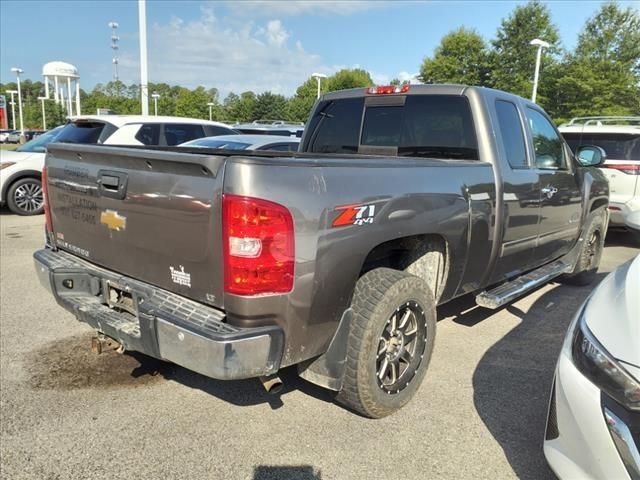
x=259, y=252
x=45, y=198
x=387, y=89
x=628, y=168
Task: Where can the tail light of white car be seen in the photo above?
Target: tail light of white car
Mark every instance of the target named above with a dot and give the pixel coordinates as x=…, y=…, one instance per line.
x=258, y=241
x=628, y=168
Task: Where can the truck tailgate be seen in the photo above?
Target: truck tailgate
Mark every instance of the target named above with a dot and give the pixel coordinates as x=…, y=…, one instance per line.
x=151, y=215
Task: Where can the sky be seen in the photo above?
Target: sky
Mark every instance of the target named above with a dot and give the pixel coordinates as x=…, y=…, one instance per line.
x=249, y=45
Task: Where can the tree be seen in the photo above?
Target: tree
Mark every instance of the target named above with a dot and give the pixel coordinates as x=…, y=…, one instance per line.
x=301, y=103
x=461, y=57
x=602, y=76
x=348, y=78
x=269, y=106
x=397, y=82
x=239, y=108
x=193, y=103
x=512, y=60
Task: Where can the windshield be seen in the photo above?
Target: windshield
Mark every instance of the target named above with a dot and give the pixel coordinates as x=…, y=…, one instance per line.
x=213, y=143
x=438, y=126
x=618, y=146
x=39, y=144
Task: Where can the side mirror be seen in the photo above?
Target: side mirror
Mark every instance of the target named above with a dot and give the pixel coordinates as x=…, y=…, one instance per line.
x=590, y=155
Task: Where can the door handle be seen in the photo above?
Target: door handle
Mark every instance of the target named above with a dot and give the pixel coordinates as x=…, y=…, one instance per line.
x=549, y=191
x=112, y=184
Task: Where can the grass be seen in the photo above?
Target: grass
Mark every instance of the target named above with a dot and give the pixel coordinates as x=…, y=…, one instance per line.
x=8, y=146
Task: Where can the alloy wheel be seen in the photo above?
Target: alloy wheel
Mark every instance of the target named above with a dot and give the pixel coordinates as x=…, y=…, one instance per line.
x=29, y=197
x=401, y=347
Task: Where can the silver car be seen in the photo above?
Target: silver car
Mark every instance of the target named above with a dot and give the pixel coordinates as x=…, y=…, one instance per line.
x=247, y=142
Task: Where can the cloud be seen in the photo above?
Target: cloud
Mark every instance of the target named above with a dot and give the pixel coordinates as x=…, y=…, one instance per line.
x=233, y=56
x=277, y=35
x=410, y=77
x=230, y=56
x=275, y=8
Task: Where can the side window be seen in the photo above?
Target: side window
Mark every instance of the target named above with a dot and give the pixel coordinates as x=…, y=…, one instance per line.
x=512, y=134
x=278, y=147
x=213, y=131
x=546, y=141
x=149, y=134
x=281, y=147
x=177, y=133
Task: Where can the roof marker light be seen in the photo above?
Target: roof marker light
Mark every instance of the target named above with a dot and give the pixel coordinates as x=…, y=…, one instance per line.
x=388, y=89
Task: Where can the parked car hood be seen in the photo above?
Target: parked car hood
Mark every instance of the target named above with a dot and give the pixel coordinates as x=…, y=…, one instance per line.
x=613, y=314
x=11, y=156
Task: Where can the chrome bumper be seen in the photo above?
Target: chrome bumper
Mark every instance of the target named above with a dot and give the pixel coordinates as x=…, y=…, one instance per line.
x=160, y=323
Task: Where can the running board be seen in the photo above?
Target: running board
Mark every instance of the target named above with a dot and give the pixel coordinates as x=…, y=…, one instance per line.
x=509, y=291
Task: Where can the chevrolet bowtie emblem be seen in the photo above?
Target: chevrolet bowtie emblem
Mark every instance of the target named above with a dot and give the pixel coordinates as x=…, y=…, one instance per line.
x=112, y=220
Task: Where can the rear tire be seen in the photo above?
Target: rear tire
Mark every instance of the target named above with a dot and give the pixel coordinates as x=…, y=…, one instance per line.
x=25, y=197
x=390, y=342
x=586, y=268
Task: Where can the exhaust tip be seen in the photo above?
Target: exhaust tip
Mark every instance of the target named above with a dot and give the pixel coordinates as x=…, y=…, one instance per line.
x=272, y=384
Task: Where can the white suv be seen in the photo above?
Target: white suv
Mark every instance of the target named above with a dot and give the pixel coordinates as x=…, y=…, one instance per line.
x=20, y=170
x=620, y=139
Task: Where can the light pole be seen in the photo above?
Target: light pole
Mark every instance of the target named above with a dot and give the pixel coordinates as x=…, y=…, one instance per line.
x=210, y=105
x=44, y=115
x=540, y=44
x=13, y=107
x=114, y=46
x=142, y=26
x=155, y=96
x=18, y=71
x=318, y=77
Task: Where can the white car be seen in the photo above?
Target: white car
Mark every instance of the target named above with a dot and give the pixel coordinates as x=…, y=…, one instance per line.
x=4, y=134
x=247, y=142
x=620, y=139
x=20, y=170
x=593, y=426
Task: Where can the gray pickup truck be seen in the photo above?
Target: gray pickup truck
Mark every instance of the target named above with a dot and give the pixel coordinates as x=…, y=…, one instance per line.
x=334, y=258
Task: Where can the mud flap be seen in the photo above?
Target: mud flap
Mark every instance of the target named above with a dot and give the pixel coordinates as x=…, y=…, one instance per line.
x=327, y=370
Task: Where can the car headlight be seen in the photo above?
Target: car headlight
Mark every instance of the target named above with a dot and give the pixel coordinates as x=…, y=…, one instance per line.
x=4, y=165
x=599, y=366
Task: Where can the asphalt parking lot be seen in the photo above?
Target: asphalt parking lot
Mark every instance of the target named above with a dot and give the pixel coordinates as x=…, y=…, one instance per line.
x=68, y=413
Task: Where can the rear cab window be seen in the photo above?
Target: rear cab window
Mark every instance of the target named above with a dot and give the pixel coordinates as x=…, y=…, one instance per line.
x=438, y=126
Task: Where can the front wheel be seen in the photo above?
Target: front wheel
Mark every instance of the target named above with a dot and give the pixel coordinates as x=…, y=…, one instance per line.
x=25, y=197
x=390, y=342
x=586, y=268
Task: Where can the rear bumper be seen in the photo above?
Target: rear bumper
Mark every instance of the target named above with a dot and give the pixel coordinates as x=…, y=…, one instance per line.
x=159, y=323
x=619, y=211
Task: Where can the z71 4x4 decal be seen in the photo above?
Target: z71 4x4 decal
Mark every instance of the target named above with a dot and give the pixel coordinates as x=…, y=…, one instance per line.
x=354, y=215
